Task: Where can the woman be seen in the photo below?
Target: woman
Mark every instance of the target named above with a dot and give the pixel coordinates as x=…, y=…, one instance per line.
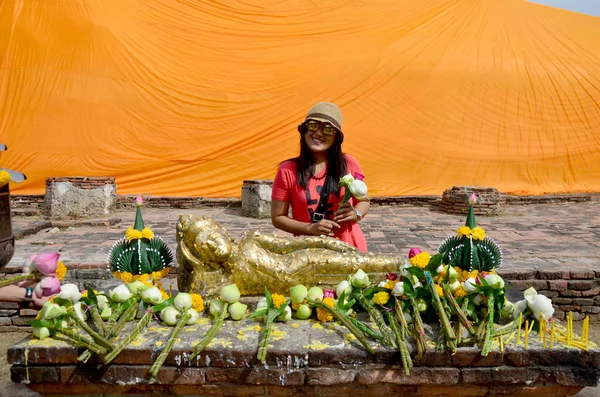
x=309, y=182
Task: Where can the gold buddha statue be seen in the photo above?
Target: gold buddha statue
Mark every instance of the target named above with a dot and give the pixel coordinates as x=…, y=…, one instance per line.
x=209, y=258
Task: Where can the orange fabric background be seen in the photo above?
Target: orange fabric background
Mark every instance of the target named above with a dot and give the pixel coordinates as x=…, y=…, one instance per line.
x=192, y=97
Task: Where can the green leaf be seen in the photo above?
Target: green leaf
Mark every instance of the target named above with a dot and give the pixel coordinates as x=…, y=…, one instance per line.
x=434, y=262
x=282, y=307
x=269, y=298
x=415, y=271
x=164, y=304
x=42, y=323
x=258, y=313
x=408, y=287
x=423, y=292
x=63, y=302
x=369, y=292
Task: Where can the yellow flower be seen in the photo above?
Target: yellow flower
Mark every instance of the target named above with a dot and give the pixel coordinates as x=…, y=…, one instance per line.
x=473, y=274
x=464, y=231
x=295, y=306
x=133, y=234
x=126, y=277
x=322, y=314
x=84, y=294
x=420, y=260
x=166, y=296
x=381, y=298
x=390, y=284
x=278, y=300
x=141, y=277
x=478, y=233
x=460, y=292
x=61, y=271
x=439, y=290
x=165, y=271
x=197, y=303
x=4, y=178
x=147, y=233
x=157, y=275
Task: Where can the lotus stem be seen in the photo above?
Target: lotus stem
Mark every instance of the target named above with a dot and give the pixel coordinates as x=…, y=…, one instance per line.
x=489, y=333
x=16, y=279
x=264, y=342
x=419, y=331
x=97, y=337
x=97, y=319
x=81, y=339
x=387, y=333
x=165, y=352
x=346, y=322
x=365, y=329
x=404, y=353
x=212, y=332
x=123, y=319
x=132, y=335
x=462, y=317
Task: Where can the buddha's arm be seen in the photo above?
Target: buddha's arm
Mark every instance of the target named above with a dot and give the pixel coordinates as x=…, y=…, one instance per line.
x=286, y=245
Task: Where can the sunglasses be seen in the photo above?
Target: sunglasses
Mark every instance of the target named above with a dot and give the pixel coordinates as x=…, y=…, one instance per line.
x=313, y=126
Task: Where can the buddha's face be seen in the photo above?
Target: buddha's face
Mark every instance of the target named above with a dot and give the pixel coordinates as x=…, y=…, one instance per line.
x=205, y=239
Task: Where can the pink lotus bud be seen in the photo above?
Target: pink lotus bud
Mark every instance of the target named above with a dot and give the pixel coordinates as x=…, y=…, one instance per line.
x=139, y=201
x=328, y=293
x=47, y=263
x=391, y=276
x=358, y=176
x=48, y=286
x=413, y=252
x=472, y=199
x=29, y=265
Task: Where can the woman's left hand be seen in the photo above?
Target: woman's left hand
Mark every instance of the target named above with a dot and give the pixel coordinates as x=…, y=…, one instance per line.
x=345, y=213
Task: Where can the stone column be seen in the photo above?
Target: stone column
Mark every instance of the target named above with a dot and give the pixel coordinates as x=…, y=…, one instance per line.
x=80, y=197
x=256, y=198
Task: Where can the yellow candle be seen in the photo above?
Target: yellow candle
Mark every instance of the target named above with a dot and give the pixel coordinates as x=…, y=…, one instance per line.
x=541, y=333
x=552, y=334
x=570, y=329
x=501, y=344
x=171, y=289
x=526, y=333
x=585, y=334
x=519, y=333
x=509, y=339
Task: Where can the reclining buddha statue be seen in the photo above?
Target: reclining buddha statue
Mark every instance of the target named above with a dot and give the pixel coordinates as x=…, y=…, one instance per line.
x=209, y=258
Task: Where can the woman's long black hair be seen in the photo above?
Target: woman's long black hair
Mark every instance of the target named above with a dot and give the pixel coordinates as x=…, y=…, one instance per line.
x=336, y=165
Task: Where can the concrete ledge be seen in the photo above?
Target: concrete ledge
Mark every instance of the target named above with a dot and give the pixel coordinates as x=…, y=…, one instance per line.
x=306, y=358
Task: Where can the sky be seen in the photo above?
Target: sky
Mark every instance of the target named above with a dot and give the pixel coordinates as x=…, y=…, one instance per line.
x=590, y=7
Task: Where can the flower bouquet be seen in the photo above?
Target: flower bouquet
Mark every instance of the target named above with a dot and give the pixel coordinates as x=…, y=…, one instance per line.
x=46, y=269
x=355, y=186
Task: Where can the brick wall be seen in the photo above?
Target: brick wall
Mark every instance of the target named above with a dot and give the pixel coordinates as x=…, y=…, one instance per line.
x=83, y=182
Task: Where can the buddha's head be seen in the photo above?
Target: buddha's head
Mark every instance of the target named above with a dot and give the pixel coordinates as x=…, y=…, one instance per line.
x=204, y=239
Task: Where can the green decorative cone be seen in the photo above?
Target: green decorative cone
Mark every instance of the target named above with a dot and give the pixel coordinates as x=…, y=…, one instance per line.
x=471, y=218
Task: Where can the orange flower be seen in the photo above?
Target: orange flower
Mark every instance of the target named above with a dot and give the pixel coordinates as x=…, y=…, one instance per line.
x=278, y=300
x=322, y=314
x=61, y=271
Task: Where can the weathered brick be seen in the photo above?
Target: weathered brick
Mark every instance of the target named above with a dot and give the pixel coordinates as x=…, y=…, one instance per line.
x=582, y=274
x=559, y=315
x=562, y=301
x=9, y=305
x=551, y=390
x=597, y=301
x=591, y=292
x=290, y=391
x=361, y=390
x=5, y=321
x=476, y=375
x=8, y=312
x=570, y=293
x=590, y=309
x=569, y=308
x=508, y=375
x=539, y=284
x=418, y=375
x=558, y=285
x=580, y=285
x=281, y=377
x=574, y=376
x=583, y=301
x=471, y=357
x=28, y=312
x=521, y=285
x=17, y=320
x=553, y=274
x=518, y=274
x=454, y=391
x=549, y=294
x=330, y=376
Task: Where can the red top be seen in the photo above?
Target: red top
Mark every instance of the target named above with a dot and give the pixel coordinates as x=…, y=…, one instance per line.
x=304, y=202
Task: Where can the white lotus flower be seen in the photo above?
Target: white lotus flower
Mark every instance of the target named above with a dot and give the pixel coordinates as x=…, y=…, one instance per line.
x=120, y=293
x=507, y=309
x=398, y=289
x=286, y=315
x=194, y=316
x=452, y=274
x=440, y=269
x=454, y=286
x=237, y=310
x=216, y=305
x=346, y=180
x=304, y=312
x=519, y=308
x=343, y=286
x=421, y=304
x=298, y=293
x=152, y=296
x=360, y=279
x=358, y=188
x=478, y=300
x=169, y=315
x=494, y=281
x=137, y=287
x=315, y=293
x=382, y=284
x=102, y=302
x=106, y=313
x=538, y=304
x=469, y=284
x=41, y=332
x=182, y=301
x=70, y=292
x=51, y=310
x=230, y=293
x=79, y=311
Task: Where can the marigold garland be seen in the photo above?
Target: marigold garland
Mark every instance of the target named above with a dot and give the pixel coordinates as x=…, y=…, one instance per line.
x=164, y=294
x=420, y=260
x=464, y=231
x=322, y=314
x=4, y=178
x=381, y=298
x=197, y=303
x=478, y=233
x=278, y=300
x=460, y=292
x=132, y=234
x=439, y=290
x=390, y=284
x=61, y=271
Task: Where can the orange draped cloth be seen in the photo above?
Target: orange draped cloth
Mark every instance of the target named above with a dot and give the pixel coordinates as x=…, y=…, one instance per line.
x=192, y=97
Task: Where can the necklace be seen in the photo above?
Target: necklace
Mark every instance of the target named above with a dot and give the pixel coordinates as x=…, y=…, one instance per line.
x=320, y=178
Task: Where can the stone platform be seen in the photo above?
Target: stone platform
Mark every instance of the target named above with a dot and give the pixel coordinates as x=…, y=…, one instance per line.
x=305, y=358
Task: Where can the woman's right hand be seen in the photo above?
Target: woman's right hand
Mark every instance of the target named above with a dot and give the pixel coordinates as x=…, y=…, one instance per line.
x=323, y=227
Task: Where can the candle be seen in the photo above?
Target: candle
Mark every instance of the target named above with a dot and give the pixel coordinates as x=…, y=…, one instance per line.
x=585, y=335
x=570, y=329
x=552, y=334
x=541, y=320
x=501, y=344
x=171, y=289
x=526, y=333
x=519, y=333
x=509, y=339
